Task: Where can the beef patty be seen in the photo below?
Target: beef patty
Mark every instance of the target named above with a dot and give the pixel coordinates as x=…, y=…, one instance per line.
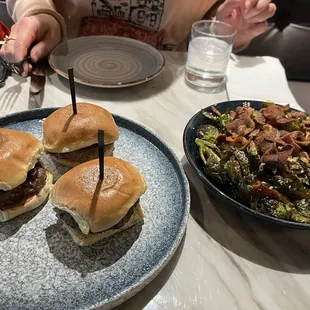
x=35, y=181
x=85, y=154
x=69, y=220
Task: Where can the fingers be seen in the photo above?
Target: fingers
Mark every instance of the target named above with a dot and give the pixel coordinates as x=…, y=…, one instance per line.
x=250, y=33
x=257, y=8
x=16, y=50
x=40, y=50
x=26, y=69
x=43, y=29
x=227, y=8
x=255, y=30
x=264, y=15
x=24, y=39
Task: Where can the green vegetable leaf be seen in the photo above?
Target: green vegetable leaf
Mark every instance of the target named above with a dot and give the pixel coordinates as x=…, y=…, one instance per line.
x=268, y=104
x=243, y=162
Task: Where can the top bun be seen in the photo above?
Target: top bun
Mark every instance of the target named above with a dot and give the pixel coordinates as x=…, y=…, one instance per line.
x=98, y=205
x=19, y=152
x=65, y=132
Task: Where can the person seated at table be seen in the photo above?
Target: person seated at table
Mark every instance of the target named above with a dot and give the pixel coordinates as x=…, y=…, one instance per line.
x=164, y=24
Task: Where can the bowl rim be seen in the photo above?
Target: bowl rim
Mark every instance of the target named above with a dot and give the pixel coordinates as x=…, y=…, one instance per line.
x=216, y=190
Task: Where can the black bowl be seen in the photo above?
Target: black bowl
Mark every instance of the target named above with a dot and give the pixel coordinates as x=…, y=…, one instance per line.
x=191, y=152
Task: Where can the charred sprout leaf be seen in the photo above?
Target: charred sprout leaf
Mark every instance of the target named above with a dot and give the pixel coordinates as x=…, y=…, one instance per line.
x=246, y=187
x=303, y=207
x=262, y=190
x=209, y=116
x=254, y=158
x=205, y=143
x=223, y=120
x=294, y=125
x=297, y=168
x=214, y=169
x=304, y=159
x=243, y=162
x=297, y=217
x=233, y=170
x=212, y=162
x=275, y=208
x=208, y=133
x=268, y=104
x=219, y=121
x=292, y=188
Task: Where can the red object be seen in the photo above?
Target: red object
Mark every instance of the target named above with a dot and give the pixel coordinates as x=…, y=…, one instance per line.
x=95, y=25
x=4, y=31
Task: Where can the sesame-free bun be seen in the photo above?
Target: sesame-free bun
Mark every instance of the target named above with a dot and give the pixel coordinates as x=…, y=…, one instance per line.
x=65, y=132
x=19, y=152
x=85, y=240
x=31, y=203
x=98, y=205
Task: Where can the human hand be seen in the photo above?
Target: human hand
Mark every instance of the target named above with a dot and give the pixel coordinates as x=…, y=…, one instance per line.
x=248, y=17
x=41, y=32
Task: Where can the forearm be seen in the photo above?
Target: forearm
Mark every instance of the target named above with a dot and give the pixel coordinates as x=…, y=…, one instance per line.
x=21, y=8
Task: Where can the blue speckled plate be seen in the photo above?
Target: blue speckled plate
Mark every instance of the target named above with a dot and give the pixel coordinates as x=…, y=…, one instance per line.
x=41, y=267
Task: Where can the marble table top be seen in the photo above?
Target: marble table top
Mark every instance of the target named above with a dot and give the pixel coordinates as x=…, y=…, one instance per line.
x=227, y=260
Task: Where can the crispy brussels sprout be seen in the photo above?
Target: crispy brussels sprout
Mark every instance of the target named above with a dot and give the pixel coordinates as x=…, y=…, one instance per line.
x=291, y=188
x=233, y=170
x=212, y=162
x=254, y=158
x=209, y=116
x=245, y=187
x=294, y=125
x=275, y=208
x=268, y=170
x=303, y=207
x=243, y=162
x=268, y=104
x=208, y=133
x=219, y=121
x=297, y=217
x=223, y=120
x=205, y=143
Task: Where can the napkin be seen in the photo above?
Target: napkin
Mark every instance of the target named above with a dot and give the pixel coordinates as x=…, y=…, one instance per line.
x=258, y=78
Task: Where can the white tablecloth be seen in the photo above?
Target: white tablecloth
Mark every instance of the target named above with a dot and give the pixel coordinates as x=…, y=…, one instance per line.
x=260, y=78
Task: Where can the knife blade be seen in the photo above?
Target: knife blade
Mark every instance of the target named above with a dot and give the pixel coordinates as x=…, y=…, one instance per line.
x=37, y=84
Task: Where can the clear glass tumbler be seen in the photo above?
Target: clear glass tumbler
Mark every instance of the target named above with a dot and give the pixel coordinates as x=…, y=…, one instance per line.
x=208, y=53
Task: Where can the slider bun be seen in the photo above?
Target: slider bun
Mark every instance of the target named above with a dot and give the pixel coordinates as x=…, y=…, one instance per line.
x=65, y=132
x=98, y=205
x=19, y=152
x=85, y=240
x=30, y=204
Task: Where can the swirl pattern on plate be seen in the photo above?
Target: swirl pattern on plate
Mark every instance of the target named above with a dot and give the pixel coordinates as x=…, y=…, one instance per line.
x=107, y=61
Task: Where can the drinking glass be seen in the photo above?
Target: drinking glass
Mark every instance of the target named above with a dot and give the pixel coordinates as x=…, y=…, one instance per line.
x=208, y=53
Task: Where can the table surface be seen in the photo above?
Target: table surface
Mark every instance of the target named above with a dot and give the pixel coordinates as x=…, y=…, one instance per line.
x=227, y=260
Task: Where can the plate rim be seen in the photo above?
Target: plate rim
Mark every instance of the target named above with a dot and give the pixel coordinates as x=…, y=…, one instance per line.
x=148, y=277
x=109, y=85
x=216, y=190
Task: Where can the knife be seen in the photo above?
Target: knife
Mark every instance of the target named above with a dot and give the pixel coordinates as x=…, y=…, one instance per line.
x=37, y=84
